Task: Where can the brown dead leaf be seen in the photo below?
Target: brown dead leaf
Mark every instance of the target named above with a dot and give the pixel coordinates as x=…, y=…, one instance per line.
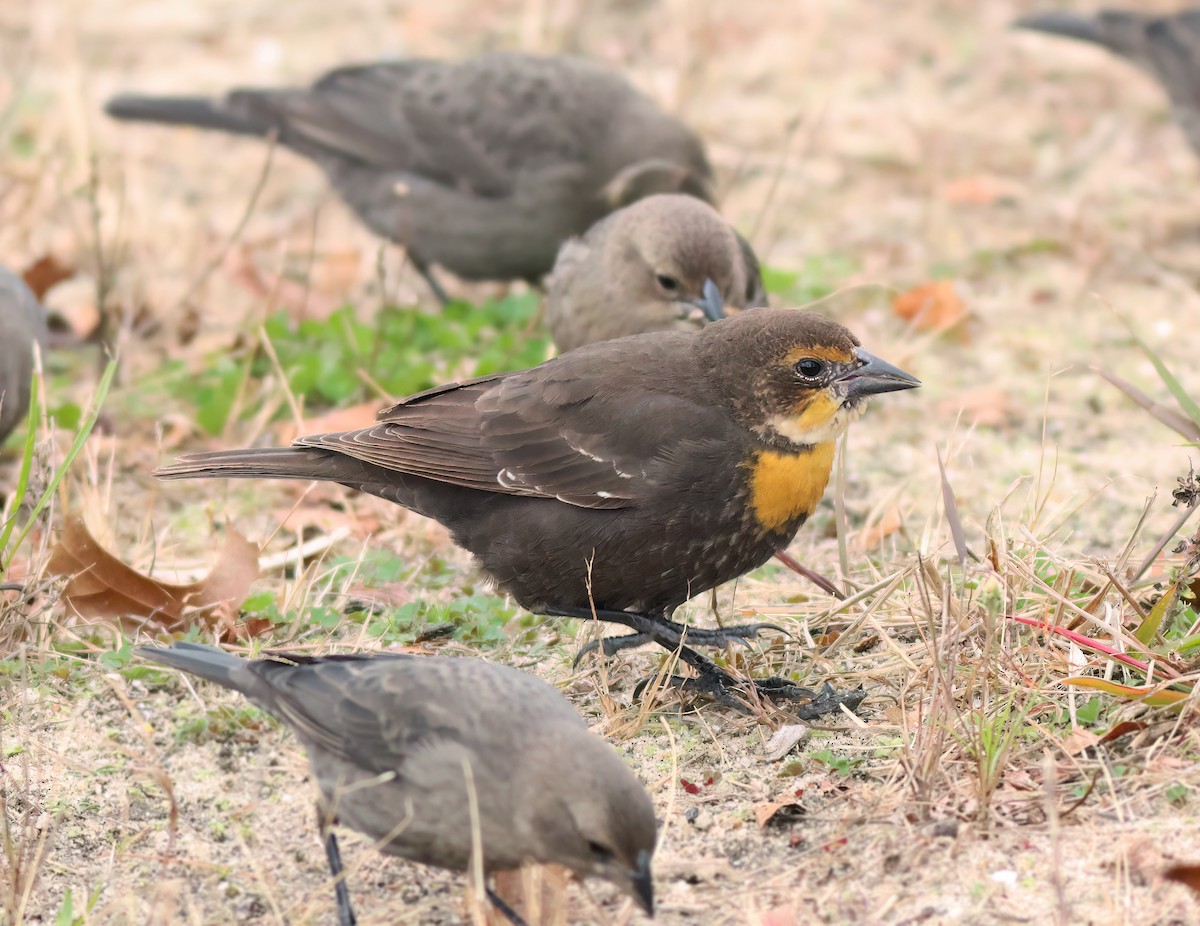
x=980, y=190
x=538, y=893
x=871, y=536
x=353, y=418
x=101, y=586
x=1078, y=740
x=44, y=273
x=780, y=811
x=1185, y=874
x=933, y=306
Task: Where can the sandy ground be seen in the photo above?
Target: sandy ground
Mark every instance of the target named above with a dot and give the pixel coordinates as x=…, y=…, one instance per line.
x=894, y=143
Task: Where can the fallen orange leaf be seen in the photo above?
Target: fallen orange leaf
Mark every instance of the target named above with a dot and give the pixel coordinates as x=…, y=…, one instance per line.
x=933, y=306
x=980, y=190
x=44, y=273
x=354, y=418
x=1185, y=874
x=101, y=586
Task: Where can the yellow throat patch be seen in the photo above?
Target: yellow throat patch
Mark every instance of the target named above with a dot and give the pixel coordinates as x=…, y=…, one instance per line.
x=784, y=486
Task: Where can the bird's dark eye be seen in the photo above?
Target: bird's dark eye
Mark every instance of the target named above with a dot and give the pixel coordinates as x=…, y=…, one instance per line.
x=808, y=368
x=669, y=283
x=601, y=852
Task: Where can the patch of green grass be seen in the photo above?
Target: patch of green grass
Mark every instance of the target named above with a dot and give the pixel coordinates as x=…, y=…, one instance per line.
x=341, y=359
x=842, y=765
x=815, y=279
x=219, y=723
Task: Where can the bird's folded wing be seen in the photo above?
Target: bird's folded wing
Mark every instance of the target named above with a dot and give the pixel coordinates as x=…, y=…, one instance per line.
x=588, y=438
x=360, y=714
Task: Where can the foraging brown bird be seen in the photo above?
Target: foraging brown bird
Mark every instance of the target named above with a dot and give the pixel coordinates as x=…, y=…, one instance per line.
x=483, y=166
x=423, y=753
x=1166, y=47
x=628, y=475
x=666, y=262
x=22, y=325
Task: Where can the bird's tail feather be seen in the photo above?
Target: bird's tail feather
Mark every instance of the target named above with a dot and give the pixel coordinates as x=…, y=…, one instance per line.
x=208, y=662
x=260, y=463
x=198, y=111
x=1070, y=25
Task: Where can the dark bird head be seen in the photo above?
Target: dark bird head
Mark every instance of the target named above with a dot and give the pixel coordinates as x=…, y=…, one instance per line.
x=594, y=817
x=808, y=376
x=675, y=256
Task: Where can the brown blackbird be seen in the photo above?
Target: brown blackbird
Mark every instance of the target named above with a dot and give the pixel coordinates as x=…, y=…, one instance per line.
x=423, y=754
x=1166, y=47
x=22, y=325
x=666, y=262
x=625, y=476
x=484, y=166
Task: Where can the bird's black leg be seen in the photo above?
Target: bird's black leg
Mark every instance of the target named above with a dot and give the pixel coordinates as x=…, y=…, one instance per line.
x=815, y=578
x=345, y=913
x=426, y=273
x=509, y=913
x=674, y=632
x=710, y=678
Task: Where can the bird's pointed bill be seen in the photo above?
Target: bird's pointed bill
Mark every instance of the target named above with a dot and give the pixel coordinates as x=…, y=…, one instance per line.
x=643, y=883
x=874, y=375
x=710, y=302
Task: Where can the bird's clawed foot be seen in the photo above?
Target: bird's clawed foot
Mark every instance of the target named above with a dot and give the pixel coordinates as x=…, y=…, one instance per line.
x=728, y=691
x=678, y=634
x=668, y=633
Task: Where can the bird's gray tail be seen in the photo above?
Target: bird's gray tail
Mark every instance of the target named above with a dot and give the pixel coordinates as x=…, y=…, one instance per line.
x=1122, y=32
x=208, y=662
x=262, y=463
x=1058, y=22
x=198, y=111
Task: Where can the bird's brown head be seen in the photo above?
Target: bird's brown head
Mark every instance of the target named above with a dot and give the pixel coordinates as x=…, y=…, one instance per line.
x=795, y=378
x=593, y=816
x=677, y=254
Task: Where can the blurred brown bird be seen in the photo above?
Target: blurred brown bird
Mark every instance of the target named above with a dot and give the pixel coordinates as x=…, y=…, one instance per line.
x=626, y=475
x=1166, y=47
x=22, y=325
x=424, y=754
x=667, y=262
x=484, y=166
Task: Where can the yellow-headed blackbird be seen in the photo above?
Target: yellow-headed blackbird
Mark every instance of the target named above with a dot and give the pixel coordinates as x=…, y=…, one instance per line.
x=1166, y=47
x=434, y=759
x=665, y=263
x=22, y=325
x=484, y=166
x=625, y=476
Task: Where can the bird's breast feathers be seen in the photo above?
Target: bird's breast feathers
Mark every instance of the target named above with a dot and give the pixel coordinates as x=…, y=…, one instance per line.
x=787, y=486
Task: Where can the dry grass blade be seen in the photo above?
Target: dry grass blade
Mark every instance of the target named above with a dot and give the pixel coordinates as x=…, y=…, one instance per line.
x=1188, y=429
x=952, y=518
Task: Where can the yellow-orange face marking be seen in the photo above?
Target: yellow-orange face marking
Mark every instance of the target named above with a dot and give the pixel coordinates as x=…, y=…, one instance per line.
x=832, y=354
x=785, y=486
x=817, y=418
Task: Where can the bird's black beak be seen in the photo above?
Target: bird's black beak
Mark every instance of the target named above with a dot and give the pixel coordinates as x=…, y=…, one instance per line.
x=873, y=376
x=643, y=883
x=710, y=302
